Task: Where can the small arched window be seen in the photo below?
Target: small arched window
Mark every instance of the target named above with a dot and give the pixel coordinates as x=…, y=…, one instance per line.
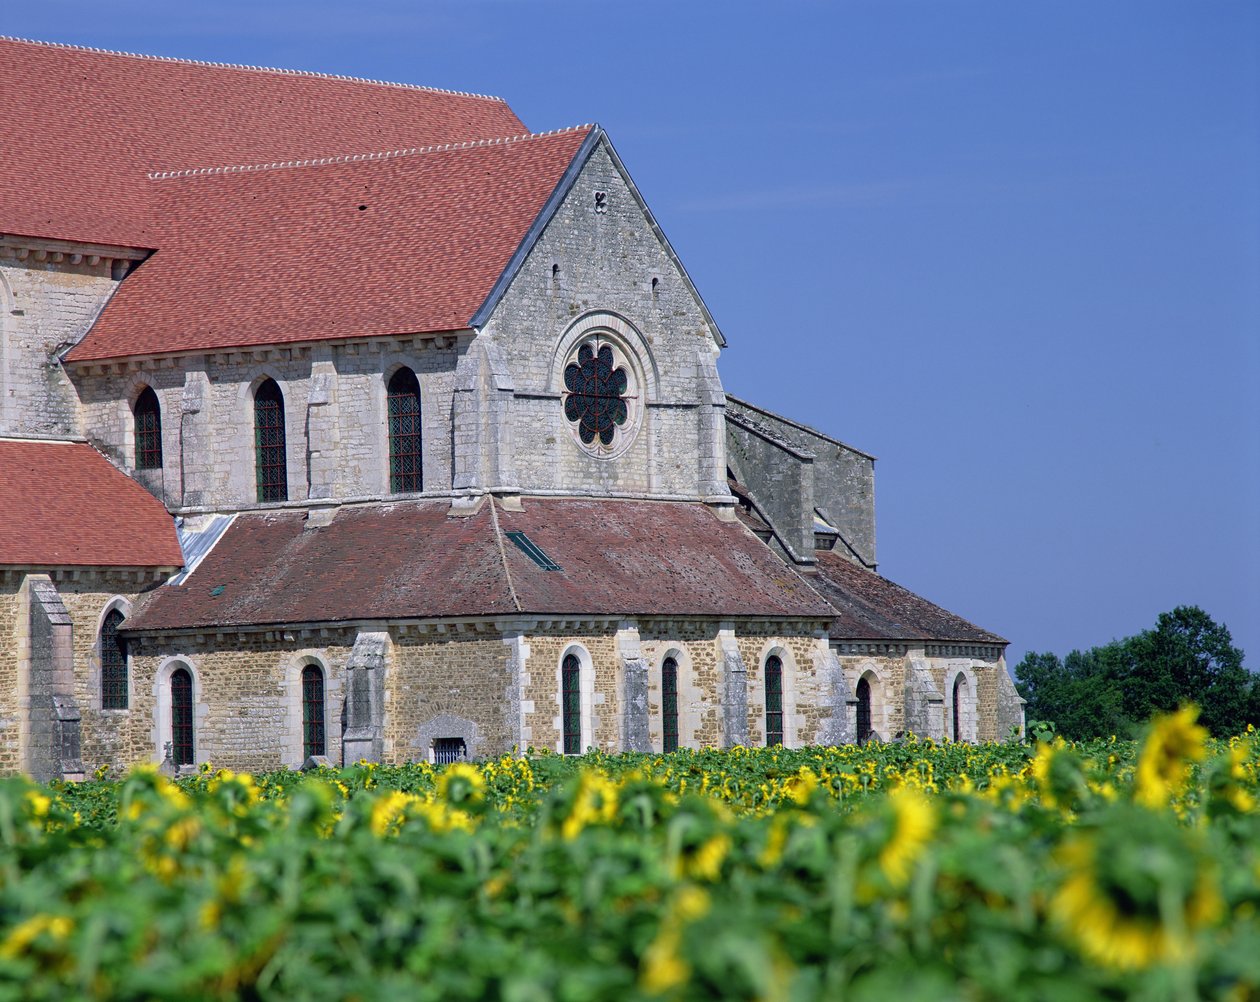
x=269, y=444
x=774, y=701
x=313, y=742
x=148, y=414
x=960, y=691
x=405, y=463
x=669, y=704
x=182, y=717
x=113, y=663
x=571, y=703
x=863, y=710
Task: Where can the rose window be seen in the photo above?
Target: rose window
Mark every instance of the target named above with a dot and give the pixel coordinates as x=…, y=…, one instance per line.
x=598, y=394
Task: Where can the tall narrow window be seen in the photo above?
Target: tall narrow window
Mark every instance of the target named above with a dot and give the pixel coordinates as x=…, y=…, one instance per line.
x=960, y=693
x=312, y=712
x=669, y=704
x=113, y=664
x=863, y=710
x=148, y=431
x=269, y=450
x=182, y=717
x=571, y=703
x=405, y=468
x=774, y=701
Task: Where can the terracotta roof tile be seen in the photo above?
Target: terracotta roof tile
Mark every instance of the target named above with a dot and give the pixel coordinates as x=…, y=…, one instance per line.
x=402, y=244
x=870, y=607
x=64, y=505
x=415, y=560
x=81, y=129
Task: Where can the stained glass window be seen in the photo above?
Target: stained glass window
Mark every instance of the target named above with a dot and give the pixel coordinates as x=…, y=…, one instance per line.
x=313, y=712
x=405, y=465
x=669, y=704
x=113, y=664
x=571, y=703
x=863, y=710
x=774, y=701
x=595, y=393
x=182, y=717
x=148, y=431
x=269, y=446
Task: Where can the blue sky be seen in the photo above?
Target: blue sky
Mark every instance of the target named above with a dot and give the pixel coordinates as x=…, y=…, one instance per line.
x=1012, y=249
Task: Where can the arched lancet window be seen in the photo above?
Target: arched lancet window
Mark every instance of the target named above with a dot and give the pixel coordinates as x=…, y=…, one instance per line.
x=960, y=693
x=669, y=704
x=863, y=710
x=405, y=464
x=148, y=415
x=182, y=717
x=774, y=701
x=571, y=703
x=312, y=712
x=113, y=663
x=269, y=447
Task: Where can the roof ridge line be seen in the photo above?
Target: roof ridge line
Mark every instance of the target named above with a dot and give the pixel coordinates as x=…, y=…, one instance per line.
x=247, y=66
x=345, y=158
x=498, y=538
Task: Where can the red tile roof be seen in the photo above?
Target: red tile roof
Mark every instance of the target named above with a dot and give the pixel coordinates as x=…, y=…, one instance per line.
x=415, y=560
x=64, y=505
x=81, y=128
x=402, y=244
x=870, y=607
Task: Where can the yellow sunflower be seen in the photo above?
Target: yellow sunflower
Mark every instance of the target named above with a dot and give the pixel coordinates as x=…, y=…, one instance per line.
x=1174, y=742
x=914, y=821
x=1119, y=926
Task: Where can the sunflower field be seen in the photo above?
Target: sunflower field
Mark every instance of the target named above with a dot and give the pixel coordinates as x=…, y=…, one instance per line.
x=910, y=871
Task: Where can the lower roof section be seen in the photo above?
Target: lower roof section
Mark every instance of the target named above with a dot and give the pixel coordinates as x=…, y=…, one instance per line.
x=870, y=607
x=63, y=504
x=557, y=556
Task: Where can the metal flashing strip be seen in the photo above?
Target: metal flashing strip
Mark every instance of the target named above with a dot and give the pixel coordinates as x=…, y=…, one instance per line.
x=195, y=545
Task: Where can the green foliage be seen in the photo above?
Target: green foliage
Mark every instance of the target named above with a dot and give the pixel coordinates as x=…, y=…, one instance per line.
x=1112, y=689
x=1010, y=872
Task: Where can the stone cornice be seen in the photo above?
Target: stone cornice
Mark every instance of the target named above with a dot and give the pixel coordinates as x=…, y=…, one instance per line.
x=24, y=248
x=255, y=354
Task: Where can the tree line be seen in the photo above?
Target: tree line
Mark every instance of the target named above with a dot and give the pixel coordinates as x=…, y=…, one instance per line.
x=1115, y=688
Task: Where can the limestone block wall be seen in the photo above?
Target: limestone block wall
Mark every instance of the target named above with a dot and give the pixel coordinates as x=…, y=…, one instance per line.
x=807, y=695
x=48, y=299
x=793, y=469
x=694, y=645
x=540, y=681
x=336, y=429
x=450, y=685
x=247, y=696
x=598, y=266
x=14, y=640
x=989, y=706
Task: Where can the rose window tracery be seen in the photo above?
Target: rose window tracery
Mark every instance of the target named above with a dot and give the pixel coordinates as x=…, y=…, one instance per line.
x=598, y=394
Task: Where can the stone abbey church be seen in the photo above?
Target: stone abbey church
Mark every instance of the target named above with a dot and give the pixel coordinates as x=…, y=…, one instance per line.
x=352, y=419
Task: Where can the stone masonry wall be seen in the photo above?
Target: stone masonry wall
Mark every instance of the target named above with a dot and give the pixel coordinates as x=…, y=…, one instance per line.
x=46, y=306
x=13, y=635
x=841, y=479
x=593, y=265
x=337, y=443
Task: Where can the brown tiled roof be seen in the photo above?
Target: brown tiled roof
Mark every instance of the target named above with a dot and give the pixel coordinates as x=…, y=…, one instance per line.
x=416, y=560
x=870, y=607
x=63, y=505
x=81, y=128
x=402, y=244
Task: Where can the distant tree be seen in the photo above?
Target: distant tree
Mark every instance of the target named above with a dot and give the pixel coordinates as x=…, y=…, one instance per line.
x=1189, y=658
x=1115, y=688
